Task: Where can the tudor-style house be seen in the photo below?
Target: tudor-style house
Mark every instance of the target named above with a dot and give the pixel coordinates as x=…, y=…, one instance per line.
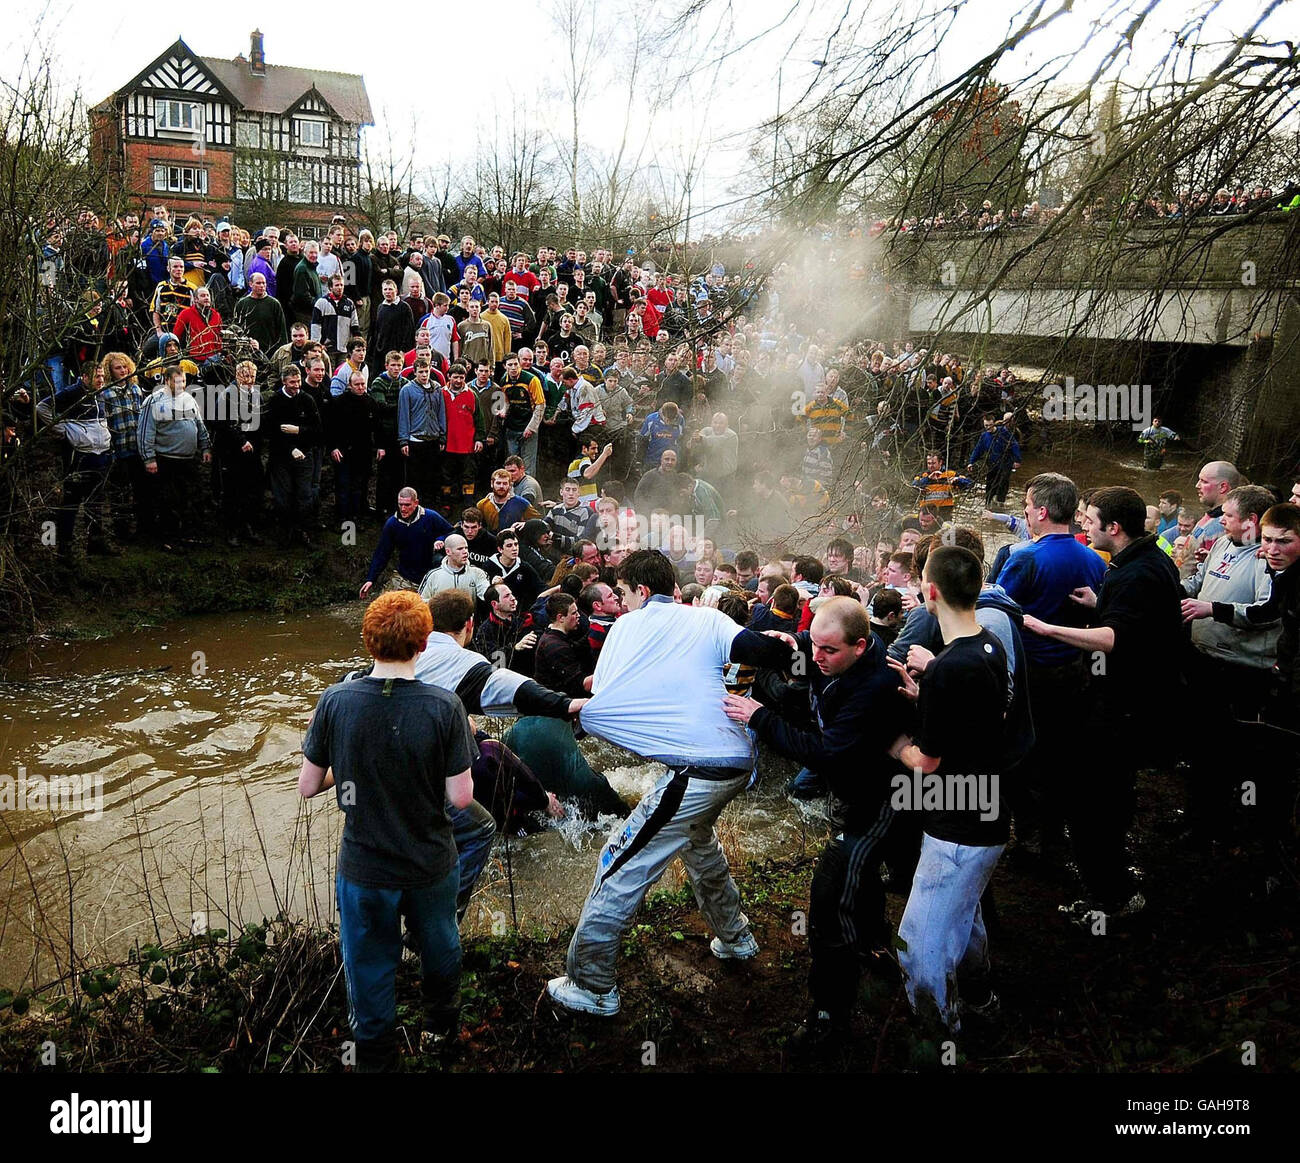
x=220, y=137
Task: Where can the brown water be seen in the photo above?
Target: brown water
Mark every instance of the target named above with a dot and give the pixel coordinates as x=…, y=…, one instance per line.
x=195, y=729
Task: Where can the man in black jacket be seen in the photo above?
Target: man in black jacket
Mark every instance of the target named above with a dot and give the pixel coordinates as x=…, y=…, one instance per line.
x=237, y=433
x=294, y=427
x=859, y=712
x=285, y=269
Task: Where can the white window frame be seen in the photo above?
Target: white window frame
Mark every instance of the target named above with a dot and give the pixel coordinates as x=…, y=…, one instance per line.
x=164, y=107
x=251, y=128
x=299, y=171
x=316, y=123
x=171, y=179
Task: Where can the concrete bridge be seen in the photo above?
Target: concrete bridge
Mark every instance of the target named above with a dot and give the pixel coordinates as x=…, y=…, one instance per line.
x=1206, y=311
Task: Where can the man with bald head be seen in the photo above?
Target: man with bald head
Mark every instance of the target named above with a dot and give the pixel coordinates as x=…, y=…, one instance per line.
x=660, y=487
x=857, y=708
x=455, y=572
x=1213, y=484
x=718, y=454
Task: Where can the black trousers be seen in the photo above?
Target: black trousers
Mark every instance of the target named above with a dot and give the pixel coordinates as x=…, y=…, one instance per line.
x=424, y=471
x=180, y=500
x=128, y=492
x=458, y=474
x=1100, y=805
x=1220, y=760
x=846, y=915
x=243, y=483
x=997, y=481
x=1036, y=796
x=391, y=477
x=85, y=483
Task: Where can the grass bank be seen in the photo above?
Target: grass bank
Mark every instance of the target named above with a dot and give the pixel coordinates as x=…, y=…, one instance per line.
x=104, y=596
x=1204, y=981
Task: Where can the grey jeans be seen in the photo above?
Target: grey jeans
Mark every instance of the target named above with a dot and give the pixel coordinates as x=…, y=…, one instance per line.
x=675, y=818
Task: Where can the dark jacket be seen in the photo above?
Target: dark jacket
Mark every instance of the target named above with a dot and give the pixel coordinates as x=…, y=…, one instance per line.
x=413, y=541
x=353, y=426
x=284, y=272
x=306, y=290
x=921, y=628
x=300, y=410
x=858, y=714
x=1141, y=601
x=563, y=662
x=532, y=553
x=384, y=266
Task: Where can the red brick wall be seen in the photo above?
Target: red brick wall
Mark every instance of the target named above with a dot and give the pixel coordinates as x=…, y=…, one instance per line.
x=220, y=164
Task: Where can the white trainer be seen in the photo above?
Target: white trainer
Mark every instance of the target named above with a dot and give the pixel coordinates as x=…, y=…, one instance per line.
x=742, y=950
x=573, y=997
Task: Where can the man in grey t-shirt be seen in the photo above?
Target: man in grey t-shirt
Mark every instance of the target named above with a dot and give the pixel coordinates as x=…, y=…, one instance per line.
x=395, y=750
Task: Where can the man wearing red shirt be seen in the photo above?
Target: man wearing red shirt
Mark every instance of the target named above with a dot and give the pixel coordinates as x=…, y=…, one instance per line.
x=648, y=315
x=658, y=297
x=524, y=279
x=465, y=432
x=198, y=327
x=422, y=348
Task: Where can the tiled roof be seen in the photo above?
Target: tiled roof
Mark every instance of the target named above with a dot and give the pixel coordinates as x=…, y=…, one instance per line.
x=284, y=84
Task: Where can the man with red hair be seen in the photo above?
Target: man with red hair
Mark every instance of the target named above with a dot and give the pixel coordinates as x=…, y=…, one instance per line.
x=396, y=751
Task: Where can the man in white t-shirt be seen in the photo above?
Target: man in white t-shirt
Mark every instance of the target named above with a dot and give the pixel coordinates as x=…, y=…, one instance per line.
x=443, y=337
x=658, y=691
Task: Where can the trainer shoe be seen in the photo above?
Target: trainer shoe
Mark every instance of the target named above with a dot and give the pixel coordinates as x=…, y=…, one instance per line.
x=742, y=950
x=573, y=997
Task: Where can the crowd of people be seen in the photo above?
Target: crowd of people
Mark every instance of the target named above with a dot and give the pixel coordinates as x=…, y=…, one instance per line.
x=675, y=514
x=1187, y=203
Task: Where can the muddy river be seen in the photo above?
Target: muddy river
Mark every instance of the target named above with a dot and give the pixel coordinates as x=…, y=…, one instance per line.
x=191, y=731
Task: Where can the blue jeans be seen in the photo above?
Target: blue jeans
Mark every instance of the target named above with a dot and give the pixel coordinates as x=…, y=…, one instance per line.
x=516, y=445
x=370, y=932
x=473, y=829
x=943, y=926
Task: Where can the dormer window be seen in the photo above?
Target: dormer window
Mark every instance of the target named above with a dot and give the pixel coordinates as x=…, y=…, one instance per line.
x=311, y=133
x=178, y=116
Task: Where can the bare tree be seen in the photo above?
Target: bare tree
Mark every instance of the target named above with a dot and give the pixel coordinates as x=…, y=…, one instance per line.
x=388, y=182
x=577, y=24
x=1159, y=115
x=509, y=197
x=50, y=195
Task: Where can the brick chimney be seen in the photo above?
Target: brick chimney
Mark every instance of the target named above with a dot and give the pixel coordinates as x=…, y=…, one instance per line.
x=256, y=56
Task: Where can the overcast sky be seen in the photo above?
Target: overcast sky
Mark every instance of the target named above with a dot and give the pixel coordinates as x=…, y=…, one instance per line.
x=518, y=64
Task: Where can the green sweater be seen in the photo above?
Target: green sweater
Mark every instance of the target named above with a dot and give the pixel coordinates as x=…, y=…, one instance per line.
x=306, y=290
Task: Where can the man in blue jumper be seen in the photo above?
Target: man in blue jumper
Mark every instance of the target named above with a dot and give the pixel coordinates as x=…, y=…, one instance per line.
x=1041, y=577
x=999, y=445
x=416, y=533
x=422, y=429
